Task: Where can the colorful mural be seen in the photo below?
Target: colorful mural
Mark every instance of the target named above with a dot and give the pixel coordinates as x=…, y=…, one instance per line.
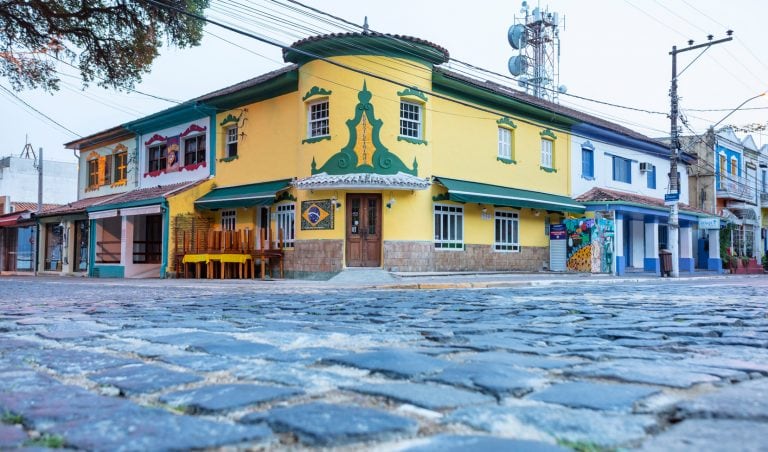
x=590, y=245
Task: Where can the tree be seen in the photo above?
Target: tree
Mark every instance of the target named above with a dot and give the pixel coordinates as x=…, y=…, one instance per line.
x=112, y=42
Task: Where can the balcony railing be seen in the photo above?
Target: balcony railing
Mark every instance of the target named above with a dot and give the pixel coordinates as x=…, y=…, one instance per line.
x=736, y=188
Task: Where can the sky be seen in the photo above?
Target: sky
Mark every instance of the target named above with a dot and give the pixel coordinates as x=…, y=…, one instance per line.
x=613, y=51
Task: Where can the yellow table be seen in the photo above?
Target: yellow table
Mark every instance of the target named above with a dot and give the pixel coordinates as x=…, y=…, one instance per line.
x=222, y=258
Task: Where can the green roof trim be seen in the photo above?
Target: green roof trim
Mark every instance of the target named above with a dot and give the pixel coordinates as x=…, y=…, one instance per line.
x=284, y=83
x=365, y=44
x=260, y=194
x=316, y=91
x=506, y=122
x=126, y=205
x=182, y=113
x=415, y=92
x=250, y=195
x=459, y=89
x=475, y=192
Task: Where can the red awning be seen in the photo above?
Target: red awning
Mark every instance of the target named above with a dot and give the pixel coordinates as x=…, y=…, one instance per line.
x=9, y=220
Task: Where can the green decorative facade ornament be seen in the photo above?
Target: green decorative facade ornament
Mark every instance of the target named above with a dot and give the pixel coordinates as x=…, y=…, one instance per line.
x=364, y=152
x=415, y=92
x=506, y=122
x=230, y=118
x=316, y=91
x=548, y=133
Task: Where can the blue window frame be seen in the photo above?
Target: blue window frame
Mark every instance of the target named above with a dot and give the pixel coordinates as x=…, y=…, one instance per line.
x=587, y=163
x=652, y=177
x=622, y=169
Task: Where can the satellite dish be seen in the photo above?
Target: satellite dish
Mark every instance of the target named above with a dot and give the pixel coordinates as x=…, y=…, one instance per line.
x=522, y=81
x=517, y=65
x=516, y=36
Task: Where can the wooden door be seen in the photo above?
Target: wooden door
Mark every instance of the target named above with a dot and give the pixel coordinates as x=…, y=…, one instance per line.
x=363, y=230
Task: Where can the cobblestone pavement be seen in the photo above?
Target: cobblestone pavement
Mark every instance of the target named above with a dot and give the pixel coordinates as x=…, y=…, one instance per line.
x=157, y=365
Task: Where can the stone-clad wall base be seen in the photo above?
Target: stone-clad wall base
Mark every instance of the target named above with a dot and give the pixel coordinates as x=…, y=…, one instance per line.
x=409, y=256
x=314, y=256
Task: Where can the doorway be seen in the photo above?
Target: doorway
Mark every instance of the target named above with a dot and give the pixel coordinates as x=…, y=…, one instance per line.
x=363, y=248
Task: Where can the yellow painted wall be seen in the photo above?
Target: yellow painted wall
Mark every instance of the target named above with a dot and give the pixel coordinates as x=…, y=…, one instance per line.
x=183, y=203
x=268, y=150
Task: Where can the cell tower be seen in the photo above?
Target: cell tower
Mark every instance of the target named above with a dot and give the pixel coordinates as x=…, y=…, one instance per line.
x=536, y=37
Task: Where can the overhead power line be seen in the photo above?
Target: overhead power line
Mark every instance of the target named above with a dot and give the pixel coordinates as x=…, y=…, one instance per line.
x=53, y=121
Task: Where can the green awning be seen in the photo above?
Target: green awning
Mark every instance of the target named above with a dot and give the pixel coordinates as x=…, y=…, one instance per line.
x=474, y=192
x=262, y=194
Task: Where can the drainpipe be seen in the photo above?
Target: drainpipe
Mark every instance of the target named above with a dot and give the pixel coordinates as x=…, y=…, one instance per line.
x=166, y=239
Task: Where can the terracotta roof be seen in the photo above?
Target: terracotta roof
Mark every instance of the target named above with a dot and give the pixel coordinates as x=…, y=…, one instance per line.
x=78, y=206
x=415, y=40
x=31, y=206
x=145, y=194
x=598, y=195
x=551, y=106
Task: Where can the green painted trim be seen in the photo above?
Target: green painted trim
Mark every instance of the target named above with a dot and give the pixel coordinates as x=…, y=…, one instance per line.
x=125, y=205
x=506, y=161
x=285, y=83
x=315, y=139
x=212, y=146
x=411, y=140
x=547, y=170
x=548, y=133
x=382, y=161
x=467, y=92
x=166, y=238
x=229, y=159
x=415, y=92
x=316, y=91
x=91, y=247
x=285, y=196
x=506, y=122
x=441, y=197
x=365, y=44
x=186, y=112
x=109, y=271
x=230, y=118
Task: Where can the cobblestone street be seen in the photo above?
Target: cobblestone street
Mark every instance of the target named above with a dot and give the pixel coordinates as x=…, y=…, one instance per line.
x=161, y=364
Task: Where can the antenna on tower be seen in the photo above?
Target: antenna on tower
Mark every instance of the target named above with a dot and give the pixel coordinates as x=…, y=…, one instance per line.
x=27, y=149
x=536, y=37
x=365, y=25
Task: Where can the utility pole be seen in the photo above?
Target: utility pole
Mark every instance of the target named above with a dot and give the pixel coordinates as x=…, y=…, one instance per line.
x=673, y=197
x=39, y=166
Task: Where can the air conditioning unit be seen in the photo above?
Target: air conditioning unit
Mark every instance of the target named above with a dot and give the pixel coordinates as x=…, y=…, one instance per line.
x=645, y=166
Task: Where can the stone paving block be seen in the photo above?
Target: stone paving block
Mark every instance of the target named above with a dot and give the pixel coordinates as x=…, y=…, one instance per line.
x=640, y=371
x=604, y=429
x=12, y=345
x=521, y=360
x=727, y=363
x=328, y=425
x=142, y=428
x=22, y=379
x=476, y=443
x=596, y=396
x=495, y=379
x=433, y=397
x=748, y=400
x=711, y=435
x=70, y=362
x=142, y=378
x=686, y=331
x=12, y=436
x=392, y=362
x=308, y=355
x=67, y=334
x=200, y=363
x=224, y=397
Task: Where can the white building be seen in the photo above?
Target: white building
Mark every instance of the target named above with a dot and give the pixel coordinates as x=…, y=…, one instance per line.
x=19, y=176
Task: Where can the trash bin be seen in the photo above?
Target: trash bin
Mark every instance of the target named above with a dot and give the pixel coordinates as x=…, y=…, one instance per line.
x=665, y=258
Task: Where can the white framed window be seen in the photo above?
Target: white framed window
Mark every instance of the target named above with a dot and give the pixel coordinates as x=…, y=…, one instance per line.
x=410, y=119
x=285, y=218
x=546, y=153
x=194, y=149
x=505, y=143
x=318, y=116
x=507, y=230
x=228, y=220
x=231, y=143
x=449, y=227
